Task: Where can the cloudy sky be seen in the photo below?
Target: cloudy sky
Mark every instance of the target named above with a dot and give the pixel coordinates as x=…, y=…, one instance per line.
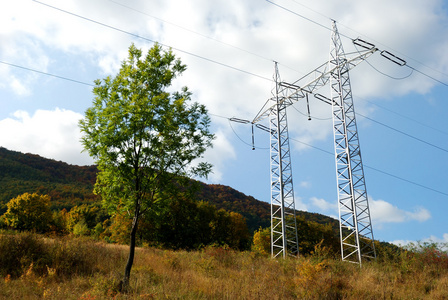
x=52, y=51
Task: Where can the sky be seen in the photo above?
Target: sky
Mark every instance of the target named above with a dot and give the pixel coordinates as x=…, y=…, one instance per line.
x=52, y=51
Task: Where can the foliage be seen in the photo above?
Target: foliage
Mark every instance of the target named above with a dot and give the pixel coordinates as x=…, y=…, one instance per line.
x=262, y=242
x=118, y=228
x=78, y=185
x=90, y=215
x=257, y=213
x=143, y=137
x=311, y=234
x=313, y=237
x=182, y=224
x=139, y=134
x=67, y=185
x=29, y=212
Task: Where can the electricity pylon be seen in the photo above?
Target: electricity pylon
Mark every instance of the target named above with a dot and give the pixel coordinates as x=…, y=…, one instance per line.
x=283, y=213
x=354, y=215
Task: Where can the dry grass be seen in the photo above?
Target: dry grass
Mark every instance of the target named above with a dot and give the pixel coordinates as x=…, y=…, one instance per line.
x=217, y=273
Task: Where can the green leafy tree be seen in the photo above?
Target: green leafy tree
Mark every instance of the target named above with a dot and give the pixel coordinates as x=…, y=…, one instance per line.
x=29, y=212
x=142, y=137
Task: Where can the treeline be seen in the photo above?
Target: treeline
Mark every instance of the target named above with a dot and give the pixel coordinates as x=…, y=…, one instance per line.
x=70, y=186
x=181, y=223
x=177, y=223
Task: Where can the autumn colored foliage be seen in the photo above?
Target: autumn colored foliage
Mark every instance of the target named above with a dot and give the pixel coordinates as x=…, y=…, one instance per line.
x=29, y=212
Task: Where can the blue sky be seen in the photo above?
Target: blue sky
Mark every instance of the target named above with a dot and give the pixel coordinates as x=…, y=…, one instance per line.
x=229, y=48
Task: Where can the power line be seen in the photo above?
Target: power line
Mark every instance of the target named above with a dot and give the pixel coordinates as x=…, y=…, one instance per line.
x=203, y=35
x=403, y=133
x=377, y=170
x=417, y=61
x=429, y=76
x=366, y=166
x=191, y=31
x=299, y=15
x=45, y=73
x=135, y=35
x=346, y=36
x=153, y=41
x=403, y=116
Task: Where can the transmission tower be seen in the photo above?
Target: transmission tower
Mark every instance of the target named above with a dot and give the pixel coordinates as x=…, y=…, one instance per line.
x=354, y=215
x=283, y=213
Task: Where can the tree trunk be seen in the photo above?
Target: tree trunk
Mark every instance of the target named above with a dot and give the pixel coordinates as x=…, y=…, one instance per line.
x=127, y=271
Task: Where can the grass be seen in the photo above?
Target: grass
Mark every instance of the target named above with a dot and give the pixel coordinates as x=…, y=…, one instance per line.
x=34, y=267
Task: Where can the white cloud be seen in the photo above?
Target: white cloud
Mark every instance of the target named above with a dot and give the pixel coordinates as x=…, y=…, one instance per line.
x=323, y=205
x=443, y=242
x=305, y=184
x=218, y=156
x=384, y=212
x=300, y=204
x=18, y=87
x=381, y=211
x=256, y=28
x=52, y=134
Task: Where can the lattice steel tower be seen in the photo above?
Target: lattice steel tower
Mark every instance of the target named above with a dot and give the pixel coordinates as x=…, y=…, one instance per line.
x=354, y=215
x=284, y=239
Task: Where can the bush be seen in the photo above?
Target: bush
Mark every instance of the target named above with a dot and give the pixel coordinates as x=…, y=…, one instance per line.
x=29, y=212
x=66, y=257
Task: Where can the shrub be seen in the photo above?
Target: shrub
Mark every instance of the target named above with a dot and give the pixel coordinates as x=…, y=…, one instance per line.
x=29, y=212
x=64, y=257
x=19, y=252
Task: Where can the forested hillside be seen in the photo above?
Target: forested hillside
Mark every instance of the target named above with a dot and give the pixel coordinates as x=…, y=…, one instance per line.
x=70, y=185
x=67, y=185
x=256, y=212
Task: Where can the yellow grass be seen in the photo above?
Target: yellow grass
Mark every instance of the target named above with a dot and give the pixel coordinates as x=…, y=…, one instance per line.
x=217, y=273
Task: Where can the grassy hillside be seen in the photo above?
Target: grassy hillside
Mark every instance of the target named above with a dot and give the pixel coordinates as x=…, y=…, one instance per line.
x=84, y=269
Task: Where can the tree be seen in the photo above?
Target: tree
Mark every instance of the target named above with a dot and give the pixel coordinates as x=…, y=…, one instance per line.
x=238, y=233
x=143, y=138
x=29, y=212
x=262, y=241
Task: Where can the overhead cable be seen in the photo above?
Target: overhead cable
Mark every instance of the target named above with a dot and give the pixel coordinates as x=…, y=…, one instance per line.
x=403, y=116
x=403, y=133
x=328, y=28
x=377, y=170
x=153, y=41
x=46, y=73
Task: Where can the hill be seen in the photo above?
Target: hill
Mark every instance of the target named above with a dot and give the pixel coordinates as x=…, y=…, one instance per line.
x=70, y=185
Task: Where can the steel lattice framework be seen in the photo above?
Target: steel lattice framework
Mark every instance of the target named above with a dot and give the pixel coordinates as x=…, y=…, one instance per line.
x=354, y=215
x=283, y=214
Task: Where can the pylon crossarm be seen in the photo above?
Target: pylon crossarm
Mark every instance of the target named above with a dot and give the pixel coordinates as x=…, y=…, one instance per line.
x=316, y=79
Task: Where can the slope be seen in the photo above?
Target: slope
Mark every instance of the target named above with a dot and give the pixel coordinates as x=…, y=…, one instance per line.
x=70, y=185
